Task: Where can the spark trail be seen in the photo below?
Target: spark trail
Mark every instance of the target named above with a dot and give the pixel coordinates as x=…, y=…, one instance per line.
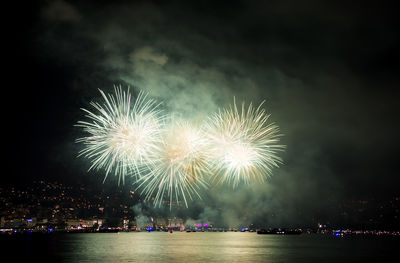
x=180, y=167
x=245, y=145
x=122, y=134
x=175, y=162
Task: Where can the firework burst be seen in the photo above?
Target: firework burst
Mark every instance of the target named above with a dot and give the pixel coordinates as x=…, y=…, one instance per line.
x=173, y=163
x=122, y=134
x=179, y=168
x=245, y=145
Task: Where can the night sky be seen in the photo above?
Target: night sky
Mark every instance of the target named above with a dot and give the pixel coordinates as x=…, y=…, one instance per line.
x=328, y=71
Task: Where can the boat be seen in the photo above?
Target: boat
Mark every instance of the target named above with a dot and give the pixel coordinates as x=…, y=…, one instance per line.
x=108, y=230
x=280, y=231
x=293, y=232
x=265, y=231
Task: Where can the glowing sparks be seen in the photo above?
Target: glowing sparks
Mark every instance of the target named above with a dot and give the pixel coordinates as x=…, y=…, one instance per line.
x=122, y=136
x=245, y=145
x=174, y=163
x=180, y=167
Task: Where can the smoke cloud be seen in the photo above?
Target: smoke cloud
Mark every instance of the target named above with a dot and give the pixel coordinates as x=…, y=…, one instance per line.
x=323, y=91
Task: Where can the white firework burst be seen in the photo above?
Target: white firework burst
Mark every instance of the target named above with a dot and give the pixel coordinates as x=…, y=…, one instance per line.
x=122, y=134
x=245, y=145
x=180, y=166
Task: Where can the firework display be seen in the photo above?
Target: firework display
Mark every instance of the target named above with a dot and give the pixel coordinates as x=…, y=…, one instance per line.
x=172, y=161
x=122, y=136
x=245, y=145
x=180, y=166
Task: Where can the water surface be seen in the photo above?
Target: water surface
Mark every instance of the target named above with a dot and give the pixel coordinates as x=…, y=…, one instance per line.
x=200, y=247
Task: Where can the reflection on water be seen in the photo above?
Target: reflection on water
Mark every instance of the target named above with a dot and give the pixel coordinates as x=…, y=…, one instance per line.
x=203, y=247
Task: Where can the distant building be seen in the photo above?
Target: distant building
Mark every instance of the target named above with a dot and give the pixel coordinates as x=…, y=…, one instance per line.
x=176, y=223
x=161, y=222
x=73, y=223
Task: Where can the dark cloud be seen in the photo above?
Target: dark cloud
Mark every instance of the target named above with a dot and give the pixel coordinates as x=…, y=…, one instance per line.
x=59, y=10
x=327, y=70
